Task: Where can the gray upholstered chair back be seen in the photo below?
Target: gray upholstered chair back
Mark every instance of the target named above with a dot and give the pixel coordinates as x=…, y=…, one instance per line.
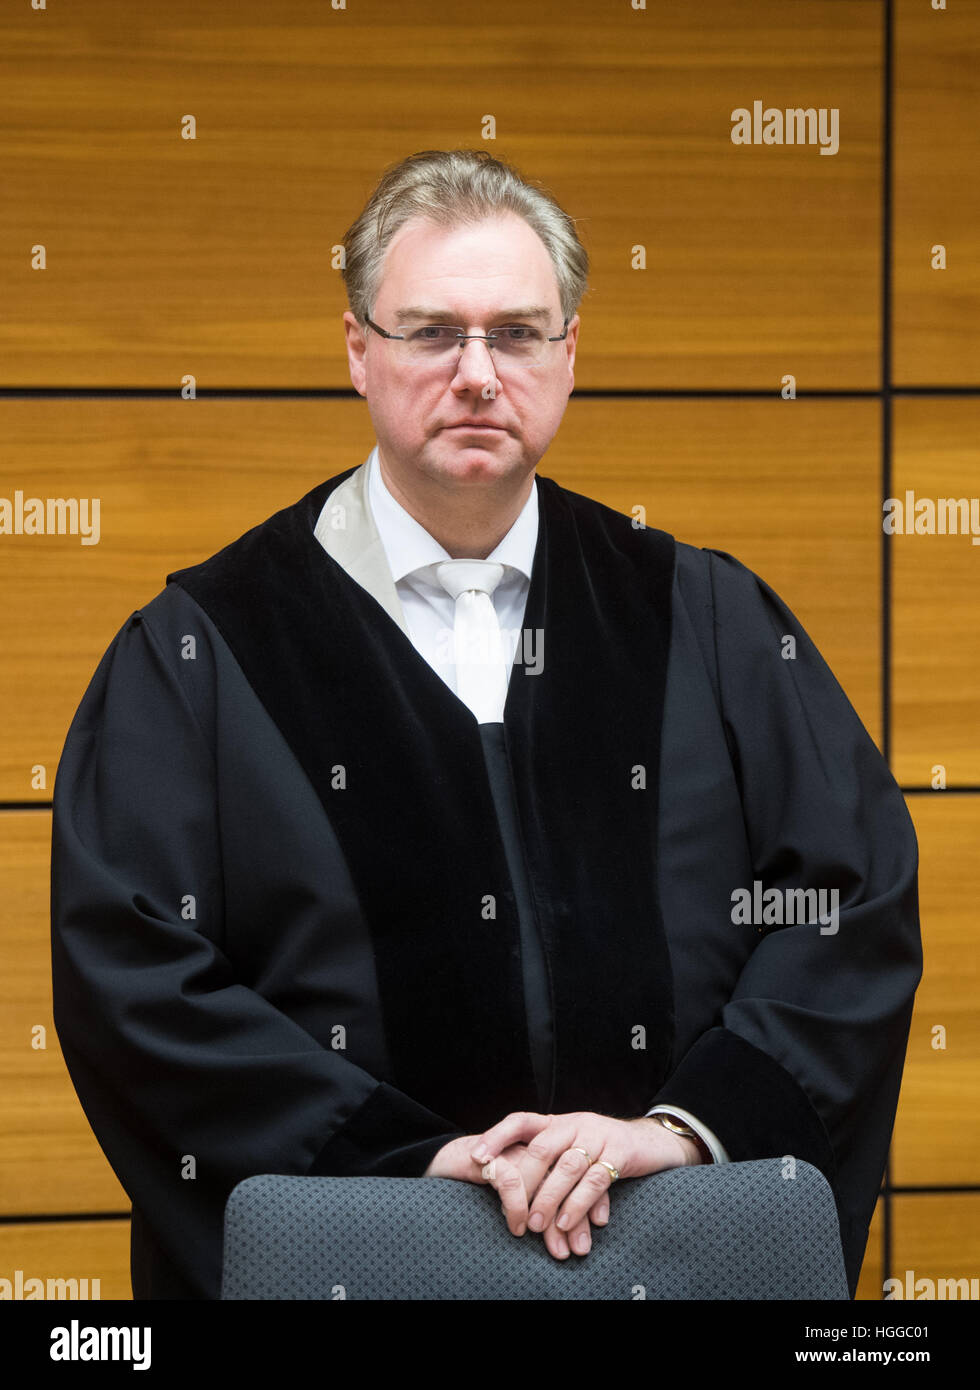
x=739, y=1230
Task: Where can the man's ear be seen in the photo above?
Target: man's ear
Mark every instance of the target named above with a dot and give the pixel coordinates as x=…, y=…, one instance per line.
x=571, y=343
x=356, y=349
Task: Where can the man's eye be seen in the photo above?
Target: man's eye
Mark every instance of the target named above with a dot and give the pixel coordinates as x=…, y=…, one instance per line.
x=434, y=333
x=518, y=333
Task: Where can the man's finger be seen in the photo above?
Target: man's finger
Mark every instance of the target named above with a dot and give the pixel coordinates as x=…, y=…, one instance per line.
x=532, y=1171
x=556, y=1243
x=582, y=1198
x=580, y=1238
x=507, y=1182
x=572, y=1170
x=516, y=1128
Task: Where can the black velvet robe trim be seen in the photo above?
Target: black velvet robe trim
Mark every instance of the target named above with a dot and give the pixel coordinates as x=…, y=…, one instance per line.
x=538, y=990
x=397, y=762
x=774, y=1117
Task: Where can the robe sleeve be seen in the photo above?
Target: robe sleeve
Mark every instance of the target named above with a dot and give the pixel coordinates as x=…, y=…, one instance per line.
x=190, y=1080
x=806, y=1059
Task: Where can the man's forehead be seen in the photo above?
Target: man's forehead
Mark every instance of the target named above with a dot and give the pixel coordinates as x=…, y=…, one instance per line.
x=423, y=270
x=434, y=313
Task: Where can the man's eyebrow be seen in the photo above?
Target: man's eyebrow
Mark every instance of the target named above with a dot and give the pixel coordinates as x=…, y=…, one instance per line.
x=431, y=315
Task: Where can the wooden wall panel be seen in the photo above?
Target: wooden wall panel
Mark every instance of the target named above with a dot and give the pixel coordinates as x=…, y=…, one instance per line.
x=936, y=613
x=936, y=1235
x=213, y=256
x=69, y=1250
x=937, y=1130
x=869, y=1284
x=936, y=194
x=49, y=1158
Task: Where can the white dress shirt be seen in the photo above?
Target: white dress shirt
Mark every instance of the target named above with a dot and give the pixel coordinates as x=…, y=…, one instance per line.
x=412, y=554
x=430, y=611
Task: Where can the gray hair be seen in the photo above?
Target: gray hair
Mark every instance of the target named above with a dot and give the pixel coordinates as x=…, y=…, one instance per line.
x=450, y=187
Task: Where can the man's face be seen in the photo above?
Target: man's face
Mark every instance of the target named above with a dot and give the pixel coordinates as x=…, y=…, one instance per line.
x=474, y=276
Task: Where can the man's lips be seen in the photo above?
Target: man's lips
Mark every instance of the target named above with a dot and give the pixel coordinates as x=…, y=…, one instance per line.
x=467, y=425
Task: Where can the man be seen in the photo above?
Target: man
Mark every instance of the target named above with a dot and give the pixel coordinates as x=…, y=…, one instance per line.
x=333, y=895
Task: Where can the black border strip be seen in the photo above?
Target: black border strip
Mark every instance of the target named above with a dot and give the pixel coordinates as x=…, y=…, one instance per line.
x=47, y=1218
x=917, y=1189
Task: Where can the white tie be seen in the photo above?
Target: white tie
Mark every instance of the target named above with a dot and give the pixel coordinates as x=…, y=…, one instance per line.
x=481, y=662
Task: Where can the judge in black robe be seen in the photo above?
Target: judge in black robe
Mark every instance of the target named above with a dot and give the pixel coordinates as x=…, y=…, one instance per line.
x=275, y=831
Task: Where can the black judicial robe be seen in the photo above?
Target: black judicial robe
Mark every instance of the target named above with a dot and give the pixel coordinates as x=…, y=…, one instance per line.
x=309, y=917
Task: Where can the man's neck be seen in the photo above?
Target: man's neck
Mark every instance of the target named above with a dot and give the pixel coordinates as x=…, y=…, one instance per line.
x=469, y=526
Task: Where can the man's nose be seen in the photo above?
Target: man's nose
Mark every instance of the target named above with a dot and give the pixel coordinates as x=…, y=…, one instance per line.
x=476, y=366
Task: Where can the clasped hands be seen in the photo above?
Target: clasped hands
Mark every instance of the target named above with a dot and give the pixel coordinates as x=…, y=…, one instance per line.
x=545, y=1183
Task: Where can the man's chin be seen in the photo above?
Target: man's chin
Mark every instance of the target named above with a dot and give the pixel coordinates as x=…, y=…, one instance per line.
x=491, y=455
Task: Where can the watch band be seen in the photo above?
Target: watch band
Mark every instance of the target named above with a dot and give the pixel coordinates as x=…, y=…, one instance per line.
x=672, y=1123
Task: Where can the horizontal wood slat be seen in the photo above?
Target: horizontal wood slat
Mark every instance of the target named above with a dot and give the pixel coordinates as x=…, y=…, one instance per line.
x=68, y=1250
x=936, y=1236
x=215, y=256
x=936, y=595
x=936, y=198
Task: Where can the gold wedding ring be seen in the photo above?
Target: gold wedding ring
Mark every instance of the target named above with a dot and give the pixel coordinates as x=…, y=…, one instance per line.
x=577, y=1150
x=613, y=1172
x=489, y=1171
